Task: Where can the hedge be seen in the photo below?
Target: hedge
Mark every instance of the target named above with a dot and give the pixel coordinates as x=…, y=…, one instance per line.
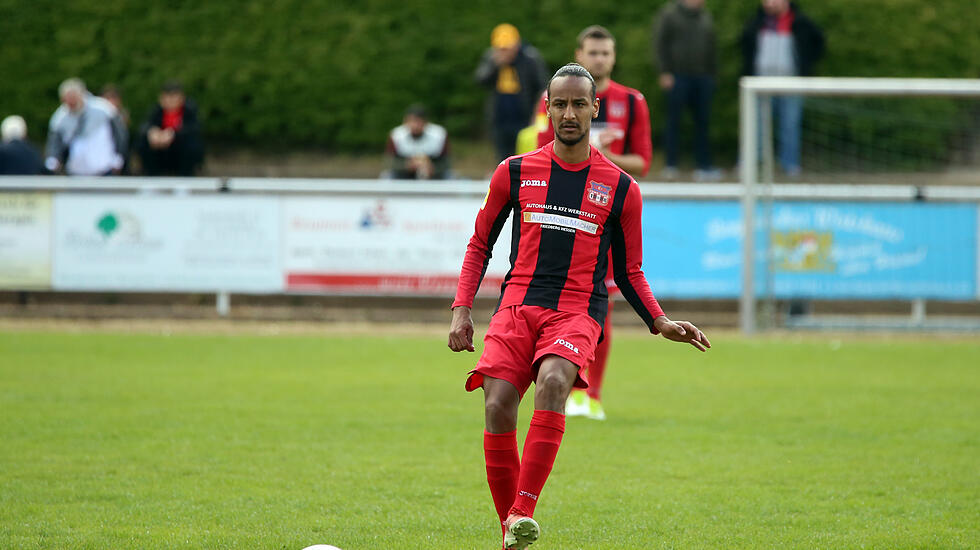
x=326, y=74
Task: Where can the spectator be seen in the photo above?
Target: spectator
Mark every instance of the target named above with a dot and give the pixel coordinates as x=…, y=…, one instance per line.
x=85, y=134
x=170, y=141
x=684, y=48
x=17, y=155
x=111, y=93
x=780, y=40
x=517, y=75
x=418, y=149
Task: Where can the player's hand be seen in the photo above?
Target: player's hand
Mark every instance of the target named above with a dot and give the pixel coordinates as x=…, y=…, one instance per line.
x=461, y=330
x=682, y=331
x=606, y=137
x=666, y=81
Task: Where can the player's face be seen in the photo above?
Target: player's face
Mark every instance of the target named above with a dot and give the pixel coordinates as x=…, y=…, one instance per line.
x=571, y=108
x=598, y=56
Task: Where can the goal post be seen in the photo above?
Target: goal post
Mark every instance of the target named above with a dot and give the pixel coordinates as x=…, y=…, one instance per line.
x=757, y=161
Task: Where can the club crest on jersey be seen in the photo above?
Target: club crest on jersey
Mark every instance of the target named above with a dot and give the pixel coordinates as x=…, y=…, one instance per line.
x=598, y=193
x=617, y=109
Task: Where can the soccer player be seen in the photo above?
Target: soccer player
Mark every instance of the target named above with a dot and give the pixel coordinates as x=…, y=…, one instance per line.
x=622, y=133
x=570, y=206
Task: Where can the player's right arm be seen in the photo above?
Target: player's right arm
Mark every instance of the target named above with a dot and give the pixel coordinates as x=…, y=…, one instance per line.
x=489, y=221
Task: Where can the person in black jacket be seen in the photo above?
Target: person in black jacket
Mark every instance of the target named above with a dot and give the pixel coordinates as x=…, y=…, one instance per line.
x=780, y=40
x=170, y=140
x=17, y=155
x=516, y=73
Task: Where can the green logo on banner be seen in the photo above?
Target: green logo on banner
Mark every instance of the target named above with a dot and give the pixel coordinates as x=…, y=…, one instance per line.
x=108, y=224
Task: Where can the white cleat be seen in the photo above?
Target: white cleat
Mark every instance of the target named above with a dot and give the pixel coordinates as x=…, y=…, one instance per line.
x=577, y=404
x=521, y=532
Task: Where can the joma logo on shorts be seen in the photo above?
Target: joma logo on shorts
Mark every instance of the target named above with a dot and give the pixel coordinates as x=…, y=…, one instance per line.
x=568, y=345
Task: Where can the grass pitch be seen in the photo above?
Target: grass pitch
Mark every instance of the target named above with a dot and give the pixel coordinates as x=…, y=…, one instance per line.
x=369, y=442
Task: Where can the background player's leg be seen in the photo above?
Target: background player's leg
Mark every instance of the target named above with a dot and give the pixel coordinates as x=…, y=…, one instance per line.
x=555, y=378
x=588, y=402
x=501, y=400
x=597, y=369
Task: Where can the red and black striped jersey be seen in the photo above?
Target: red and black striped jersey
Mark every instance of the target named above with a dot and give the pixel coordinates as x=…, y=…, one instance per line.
x=566, y=220
x=623, y=111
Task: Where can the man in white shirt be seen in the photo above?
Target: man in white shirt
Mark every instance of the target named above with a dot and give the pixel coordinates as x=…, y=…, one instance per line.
x=418, y=149
x=85, y=134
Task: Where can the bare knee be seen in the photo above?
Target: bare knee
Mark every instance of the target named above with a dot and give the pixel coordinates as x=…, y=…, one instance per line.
x=556, y=376
x=554, y=381
x=501, y=401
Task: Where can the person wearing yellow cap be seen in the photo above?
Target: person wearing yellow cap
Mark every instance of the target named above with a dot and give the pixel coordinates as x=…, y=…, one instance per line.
x=516, y=75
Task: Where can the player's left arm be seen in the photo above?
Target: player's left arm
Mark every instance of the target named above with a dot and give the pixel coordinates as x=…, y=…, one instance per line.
x=627, y=252
x=636, y=160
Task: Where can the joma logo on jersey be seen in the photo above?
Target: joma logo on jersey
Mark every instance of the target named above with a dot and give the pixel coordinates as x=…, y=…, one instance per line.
x=598, y=193
x=534, y=183
x=567, y=344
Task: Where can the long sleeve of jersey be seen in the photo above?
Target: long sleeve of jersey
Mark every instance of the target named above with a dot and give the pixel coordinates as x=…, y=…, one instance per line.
x=627, y=255
x=489, y=221
x=639, y=129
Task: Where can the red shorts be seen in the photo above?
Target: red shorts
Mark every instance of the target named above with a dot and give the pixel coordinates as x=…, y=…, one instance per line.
x=520, y=336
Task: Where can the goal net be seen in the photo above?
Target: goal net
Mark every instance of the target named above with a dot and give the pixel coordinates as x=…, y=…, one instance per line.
x=860, y=202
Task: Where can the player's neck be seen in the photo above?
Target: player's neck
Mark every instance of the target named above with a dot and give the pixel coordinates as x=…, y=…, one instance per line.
x=573, y=154
x=602, y=85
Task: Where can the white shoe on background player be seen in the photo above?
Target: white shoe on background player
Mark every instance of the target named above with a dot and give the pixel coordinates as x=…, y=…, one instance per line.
x=577, y=404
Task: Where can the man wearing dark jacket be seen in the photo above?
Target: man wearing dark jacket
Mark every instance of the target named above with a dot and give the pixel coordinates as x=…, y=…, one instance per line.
x=780, y=40
x=516, y=73
x=170, y=138
x=684, y=46
x=17, y=155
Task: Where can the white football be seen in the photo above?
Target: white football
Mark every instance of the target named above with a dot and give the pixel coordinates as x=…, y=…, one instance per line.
x=321, y=547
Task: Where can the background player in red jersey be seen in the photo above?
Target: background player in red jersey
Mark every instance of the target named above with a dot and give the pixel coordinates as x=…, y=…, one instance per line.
x=622, y=132
x=570, y=206
x=622, y=127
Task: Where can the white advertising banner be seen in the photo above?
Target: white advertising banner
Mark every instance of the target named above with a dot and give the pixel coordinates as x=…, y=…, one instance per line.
x=397, y=245
x=160, y=243
x=25, y=241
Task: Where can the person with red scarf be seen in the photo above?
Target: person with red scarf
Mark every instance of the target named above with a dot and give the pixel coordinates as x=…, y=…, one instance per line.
x=170, y=138
x=780, y=40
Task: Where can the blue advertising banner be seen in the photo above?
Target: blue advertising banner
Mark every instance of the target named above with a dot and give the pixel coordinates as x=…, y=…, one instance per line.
x=861, y=250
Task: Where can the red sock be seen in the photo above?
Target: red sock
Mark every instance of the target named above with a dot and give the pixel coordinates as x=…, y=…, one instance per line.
x=540, y=449
x=503, y=469
x=597, y=368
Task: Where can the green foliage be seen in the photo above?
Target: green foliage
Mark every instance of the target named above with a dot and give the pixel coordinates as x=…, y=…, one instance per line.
x=369, y=442
x=316, y=73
